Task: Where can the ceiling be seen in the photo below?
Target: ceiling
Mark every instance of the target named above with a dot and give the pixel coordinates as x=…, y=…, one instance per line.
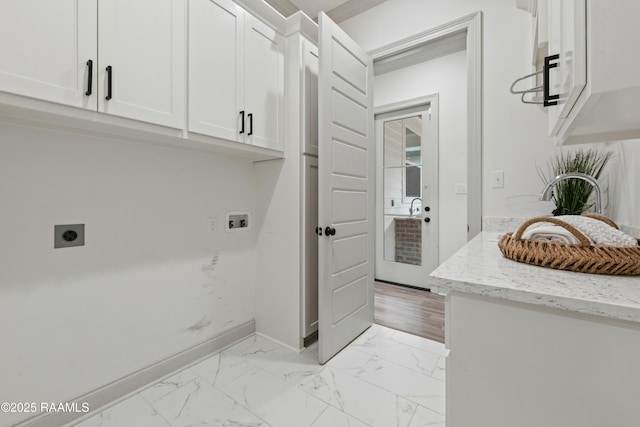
x=338, y=10
x=313, y=7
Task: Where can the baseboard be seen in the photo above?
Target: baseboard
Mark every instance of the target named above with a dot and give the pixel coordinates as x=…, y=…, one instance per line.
x=285, y=345
x=103, y=396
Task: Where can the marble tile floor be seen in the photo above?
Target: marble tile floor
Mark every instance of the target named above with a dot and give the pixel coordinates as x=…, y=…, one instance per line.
x=385, y=378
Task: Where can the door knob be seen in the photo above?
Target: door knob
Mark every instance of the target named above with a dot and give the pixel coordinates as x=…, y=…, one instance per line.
x=427, y=208
x=319, y=231
x=330, y=231
x=427, y=219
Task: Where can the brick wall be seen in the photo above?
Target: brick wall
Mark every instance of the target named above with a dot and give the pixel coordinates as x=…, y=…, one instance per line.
x=409, y=240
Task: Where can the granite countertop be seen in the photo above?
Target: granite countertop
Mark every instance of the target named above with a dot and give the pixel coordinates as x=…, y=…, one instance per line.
x=479, y=268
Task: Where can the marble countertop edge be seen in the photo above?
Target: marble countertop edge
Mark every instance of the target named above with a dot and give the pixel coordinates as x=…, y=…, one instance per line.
x=480, y=268
x=613, y=311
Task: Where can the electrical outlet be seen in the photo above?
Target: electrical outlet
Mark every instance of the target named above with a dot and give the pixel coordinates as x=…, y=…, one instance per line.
x=497, y=179
x=211, y=225
x=67, y=236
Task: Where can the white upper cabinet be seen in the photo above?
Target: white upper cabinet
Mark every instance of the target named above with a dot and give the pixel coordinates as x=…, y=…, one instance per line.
x=236, y=75
x=141, y=60
x=216, y=68
x=264, y=84
x=593, y=69
x=45, y=47
x=127, y=61
x=120, y=57
x=567, y=62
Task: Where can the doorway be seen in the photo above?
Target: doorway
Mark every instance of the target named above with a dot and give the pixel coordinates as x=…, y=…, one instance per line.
x=407, y=193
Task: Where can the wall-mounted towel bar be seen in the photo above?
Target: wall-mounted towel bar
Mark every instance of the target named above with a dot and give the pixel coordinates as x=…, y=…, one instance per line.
x=534, y=90
x=548, y=99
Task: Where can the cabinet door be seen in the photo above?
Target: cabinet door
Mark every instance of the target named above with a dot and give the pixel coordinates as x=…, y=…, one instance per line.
x=216, y=68
x=310, y=97
x=567, y=38
x=143, y=43
x=310, y=267
x=45, y=47
x=264, y=84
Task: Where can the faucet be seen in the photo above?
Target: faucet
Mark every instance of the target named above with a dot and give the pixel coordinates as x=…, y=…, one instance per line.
x=547, y=191
x=411, y=208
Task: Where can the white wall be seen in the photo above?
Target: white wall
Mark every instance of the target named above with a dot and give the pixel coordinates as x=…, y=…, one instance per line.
x=514, y=134
x=624, y=182
x=446, y=76
x=150, y=281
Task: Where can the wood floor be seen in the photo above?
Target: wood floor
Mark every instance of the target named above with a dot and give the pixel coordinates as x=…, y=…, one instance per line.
x=410, y=310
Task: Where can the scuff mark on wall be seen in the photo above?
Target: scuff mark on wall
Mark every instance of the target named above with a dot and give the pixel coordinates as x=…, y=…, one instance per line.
x=211, y=265
x=209, y=269
x=199, y=326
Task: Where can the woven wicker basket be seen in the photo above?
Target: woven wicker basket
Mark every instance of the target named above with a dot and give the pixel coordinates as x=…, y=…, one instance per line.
x=583, y=257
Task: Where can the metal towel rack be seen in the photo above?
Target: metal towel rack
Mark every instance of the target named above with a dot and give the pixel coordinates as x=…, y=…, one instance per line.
x=548, y=99
x=524, y=92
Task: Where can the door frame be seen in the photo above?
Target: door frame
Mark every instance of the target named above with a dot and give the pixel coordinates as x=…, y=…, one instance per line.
x=413, y=275
x=472, y=25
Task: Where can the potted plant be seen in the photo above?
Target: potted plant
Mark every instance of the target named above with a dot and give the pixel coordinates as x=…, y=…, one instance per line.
x=571, y=196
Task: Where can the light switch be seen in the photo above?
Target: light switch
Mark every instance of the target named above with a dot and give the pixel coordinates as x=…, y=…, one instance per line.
x=461, y=188
x=211, y=224
x=497, y=179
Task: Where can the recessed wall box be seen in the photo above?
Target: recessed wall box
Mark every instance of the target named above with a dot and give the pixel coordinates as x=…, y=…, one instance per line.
x=237, y=221
x=67, y=236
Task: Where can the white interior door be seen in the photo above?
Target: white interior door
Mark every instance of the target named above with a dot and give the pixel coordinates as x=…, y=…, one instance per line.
x=345, y=190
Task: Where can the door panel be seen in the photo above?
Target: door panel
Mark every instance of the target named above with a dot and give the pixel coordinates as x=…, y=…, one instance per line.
x=143, y=42
x=348, y=253
x=310, y=90
x=346, y=190
x=264, y=90
x=349, y=298
x=45, y=47
x=310, y=265
x=567, y=38
x=349, y=160
x=348, y=113
x=351, y=69
x=216, y=73
x=349, y=206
